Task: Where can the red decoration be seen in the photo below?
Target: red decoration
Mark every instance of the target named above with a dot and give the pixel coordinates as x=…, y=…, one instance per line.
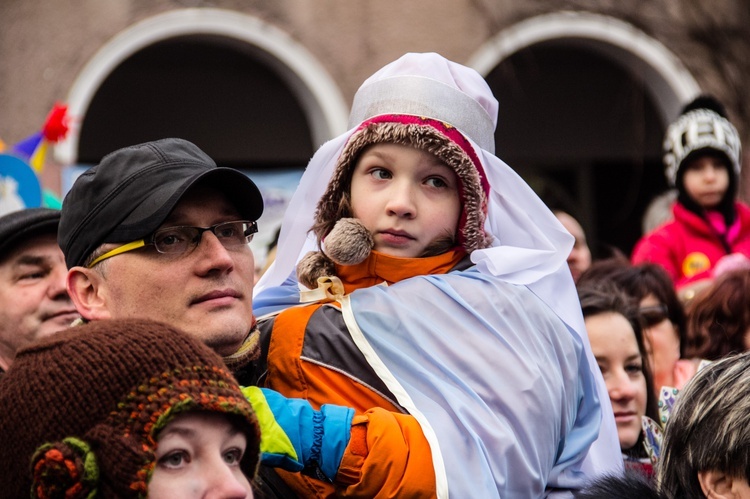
x=56, y=125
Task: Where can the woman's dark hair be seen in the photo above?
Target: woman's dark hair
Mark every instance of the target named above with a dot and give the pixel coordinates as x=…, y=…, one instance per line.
x=719, y=317
x=606, y=297
x=640, y=281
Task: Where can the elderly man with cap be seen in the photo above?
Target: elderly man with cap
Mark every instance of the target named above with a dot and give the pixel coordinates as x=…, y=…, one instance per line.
x=33, y=300
x=158, y=231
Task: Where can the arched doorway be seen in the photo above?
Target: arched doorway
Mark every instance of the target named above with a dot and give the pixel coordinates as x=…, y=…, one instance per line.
x=584, y=101
x=206, y=89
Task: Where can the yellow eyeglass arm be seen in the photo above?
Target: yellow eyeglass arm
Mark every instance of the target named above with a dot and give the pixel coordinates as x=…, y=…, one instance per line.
x=118, y=250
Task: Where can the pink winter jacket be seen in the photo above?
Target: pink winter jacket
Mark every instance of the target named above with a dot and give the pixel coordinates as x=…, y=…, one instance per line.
x=688, y=247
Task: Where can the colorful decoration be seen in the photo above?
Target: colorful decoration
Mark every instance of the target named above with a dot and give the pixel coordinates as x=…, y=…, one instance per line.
x=653, y=431
x=55, y=128
x=21, y=164
x=64, y=469
x=19, y=185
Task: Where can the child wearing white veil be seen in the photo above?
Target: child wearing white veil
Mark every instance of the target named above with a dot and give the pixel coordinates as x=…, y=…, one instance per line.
x=468, y=370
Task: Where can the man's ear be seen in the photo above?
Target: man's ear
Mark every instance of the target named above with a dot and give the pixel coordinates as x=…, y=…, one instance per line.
x=87, y=289
x=717, y=484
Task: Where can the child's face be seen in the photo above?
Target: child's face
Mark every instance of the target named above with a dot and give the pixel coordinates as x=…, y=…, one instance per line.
x=616, y=351
x=706, y=180
x=198, y=455
x=406, y=197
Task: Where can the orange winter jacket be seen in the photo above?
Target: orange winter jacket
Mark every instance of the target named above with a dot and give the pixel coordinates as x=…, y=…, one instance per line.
x=309, y=354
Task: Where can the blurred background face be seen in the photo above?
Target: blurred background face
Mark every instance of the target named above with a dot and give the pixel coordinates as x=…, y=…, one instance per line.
x=615, y=348
x=34, y=302
x=706, y=180
x=662, y=341
x=579, y=259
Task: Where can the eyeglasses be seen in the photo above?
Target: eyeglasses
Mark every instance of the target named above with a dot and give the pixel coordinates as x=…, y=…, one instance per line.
x=653, y=315
x=184, y=239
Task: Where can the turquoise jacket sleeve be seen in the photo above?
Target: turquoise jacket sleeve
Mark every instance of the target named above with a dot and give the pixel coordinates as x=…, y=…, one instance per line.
x=296, y=437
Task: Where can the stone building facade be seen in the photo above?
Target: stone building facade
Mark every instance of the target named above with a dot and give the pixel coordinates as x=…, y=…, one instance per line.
x=586, y=87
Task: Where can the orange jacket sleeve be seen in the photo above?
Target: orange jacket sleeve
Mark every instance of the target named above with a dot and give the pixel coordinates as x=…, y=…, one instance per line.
x=387, y=456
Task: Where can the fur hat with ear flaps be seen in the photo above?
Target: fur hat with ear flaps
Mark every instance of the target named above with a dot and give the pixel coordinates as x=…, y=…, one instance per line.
x=346, y=240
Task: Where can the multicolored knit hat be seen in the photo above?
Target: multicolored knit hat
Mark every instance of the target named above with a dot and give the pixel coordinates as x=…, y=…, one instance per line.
x=82, y=410
x=349, y=243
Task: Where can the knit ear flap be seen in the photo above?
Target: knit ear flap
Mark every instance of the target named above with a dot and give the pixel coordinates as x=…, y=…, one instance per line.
x=66, y=469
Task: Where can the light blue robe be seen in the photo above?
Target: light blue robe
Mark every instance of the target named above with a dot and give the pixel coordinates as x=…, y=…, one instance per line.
x=500, y=385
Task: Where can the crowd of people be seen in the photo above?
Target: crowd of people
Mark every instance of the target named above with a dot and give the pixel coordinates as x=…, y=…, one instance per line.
x=428, y=326
x=689, y=277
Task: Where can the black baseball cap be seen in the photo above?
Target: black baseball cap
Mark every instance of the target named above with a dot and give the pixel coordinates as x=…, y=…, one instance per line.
x=130, y=193
x=18, y=226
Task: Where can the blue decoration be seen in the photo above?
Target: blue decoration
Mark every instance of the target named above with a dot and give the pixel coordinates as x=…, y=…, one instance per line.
x=19, y=185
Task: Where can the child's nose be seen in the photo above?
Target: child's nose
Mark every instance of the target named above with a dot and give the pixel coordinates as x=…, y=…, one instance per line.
x=401, y=201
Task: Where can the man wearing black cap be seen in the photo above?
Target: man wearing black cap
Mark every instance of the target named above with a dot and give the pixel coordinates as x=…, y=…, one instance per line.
x=33, y=300
x=158, y=231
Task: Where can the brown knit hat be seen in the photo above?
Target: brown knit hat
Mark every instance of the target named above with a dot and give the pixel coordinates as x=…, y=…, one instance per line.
x=82, y=409
x=347, y=243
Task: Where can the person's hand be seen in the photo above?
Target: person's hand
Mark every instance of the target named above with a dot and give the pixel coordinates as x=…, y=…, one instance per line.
x=687, y=293
x=296, y=437
x=729, y=263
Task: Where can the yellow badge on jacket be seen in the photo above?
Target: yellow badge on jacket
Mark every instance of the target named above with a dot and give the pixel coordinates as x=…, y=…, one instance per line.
x=695, y=263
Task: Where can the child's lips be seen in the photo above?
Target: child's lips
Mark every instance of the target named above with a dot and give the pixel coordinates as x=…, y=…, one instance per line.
x=397, y=237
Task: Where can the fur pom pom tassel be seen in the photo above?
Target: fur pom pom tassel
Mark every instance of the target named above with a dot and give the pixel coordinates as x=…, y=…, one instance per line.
x=349, y=243
x=312, y=266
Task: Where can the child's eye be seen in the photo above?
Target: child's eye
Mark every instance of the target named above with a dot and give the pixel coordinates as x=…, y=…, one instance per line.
x=233, y=456
x=380, y=173
x=436, y=182
x=175, y=459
